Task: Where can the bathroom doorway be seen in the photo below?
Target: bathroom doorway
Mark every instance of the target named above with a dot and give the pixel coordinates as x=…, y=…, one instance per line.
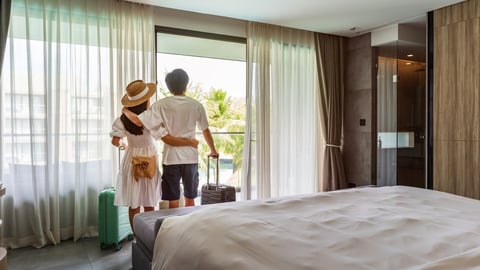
x=401, y=114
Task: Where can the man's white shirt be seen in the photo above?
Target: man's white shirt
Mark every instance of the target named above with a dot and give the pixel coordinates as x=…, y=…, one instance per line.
x=179, y=116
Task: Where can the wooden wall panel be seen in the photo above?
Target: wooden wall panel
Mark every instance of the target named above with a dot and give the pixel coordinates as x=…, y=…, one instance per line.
x=441, y=158
x=474, y=50
x=440, y=94
x=457, y=13
x=456, y=146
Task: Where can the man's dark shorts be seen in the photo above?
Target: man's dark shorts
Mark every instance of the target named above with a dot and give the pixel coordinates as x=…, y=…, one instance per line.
x=172, y=174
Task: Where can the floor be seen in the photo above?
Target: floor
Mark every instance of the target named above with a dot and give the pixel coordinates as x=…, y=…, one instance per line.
x=85, y=254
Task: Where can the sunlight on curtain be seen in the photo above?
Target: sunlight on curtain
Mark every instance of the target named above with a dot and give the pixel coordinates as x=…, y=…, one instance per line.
x=280, y=156
x=66, y=65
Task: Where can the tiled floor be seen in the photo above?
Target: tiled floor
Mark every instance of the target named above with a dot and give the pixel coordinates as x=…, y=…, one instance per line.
x=85, y=254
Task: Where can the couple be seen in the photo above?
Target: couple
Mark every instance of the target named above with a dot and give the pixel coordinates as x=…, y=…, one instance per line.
x=172, y=119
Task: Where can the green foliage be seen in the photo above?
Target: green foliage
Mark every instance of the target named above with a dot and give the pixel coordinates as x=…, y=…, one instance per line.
x=218, y=106
x=224, y=118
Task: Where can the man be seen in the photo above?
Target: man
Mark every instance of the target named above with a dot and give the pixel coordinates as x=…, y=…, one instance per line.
x=180, y=116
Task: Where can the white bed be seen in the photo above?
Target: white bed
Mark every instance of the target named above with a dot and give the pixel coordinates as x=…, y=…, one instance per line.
x=362, y=228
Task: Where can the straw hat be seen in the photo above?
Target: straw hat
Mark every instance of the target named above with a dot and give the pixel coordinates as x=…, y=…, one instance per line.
x=138, y=92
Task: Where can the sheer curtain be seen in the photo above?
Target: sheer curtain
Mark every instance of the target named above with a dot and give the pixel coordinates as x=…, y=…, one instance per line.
x=280, y=156
x=66, y=66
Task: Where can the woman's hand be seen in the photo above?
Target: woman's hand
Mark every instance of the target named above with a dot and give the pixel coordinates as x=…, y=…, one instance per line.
x=118, y=142
x=194, y=142
x=122, y=146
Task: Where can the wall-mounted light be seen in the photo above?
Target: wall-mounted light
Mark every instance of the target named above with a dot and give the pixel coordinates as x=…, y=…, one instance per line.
x=409, y=55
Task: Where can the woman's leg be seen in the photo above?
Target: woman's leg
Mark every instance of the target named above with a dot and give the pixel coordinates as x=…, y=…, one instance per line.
x=148, y=208
x=131, y=213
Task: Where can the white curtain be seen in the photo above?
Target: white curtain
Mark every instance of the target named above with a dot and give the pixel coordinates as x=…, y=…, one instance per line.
x=66, y=65
x=280, y=156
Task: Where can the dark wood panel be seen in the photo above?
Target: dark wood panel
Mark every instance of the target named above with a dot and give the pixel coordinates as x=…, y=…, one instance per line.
x=457, y=13
x=456, y=99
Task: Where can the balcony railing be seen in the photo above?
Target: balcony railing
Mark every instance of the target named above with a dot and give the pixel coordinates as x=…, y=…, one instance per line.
x=230, y=148
x=228, y=144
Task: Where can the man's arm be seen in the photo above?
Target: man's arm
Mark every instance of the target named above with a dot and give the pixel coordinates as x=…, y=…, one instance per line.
x=209, y=139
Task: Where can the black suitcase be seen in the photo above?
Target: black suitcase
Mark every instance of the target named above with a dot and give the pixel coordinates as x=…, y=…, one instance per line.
x=215, y=192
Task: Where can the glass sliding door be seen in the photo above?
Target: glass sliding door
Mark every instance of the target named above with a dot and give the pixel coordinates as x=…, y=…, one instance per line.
x=216, y=65
x=401, y=114
x=411, y=114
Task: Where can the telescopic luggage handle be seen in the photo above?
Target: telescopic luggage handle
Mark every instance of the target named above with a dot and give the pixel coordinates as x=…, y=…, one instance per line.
x=215, y=169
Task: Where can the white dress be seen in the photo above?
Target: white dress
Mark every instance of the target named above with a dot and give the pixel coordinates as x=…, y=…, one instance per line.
x=129, y=192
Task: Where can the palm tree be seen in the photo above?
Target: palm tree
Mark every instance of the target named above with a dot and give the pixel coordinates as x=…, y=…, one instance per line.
x=226, y=118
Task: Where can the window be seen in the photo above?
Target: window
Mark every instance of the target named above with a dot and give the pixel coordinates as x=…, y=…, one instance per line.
x=218, y=80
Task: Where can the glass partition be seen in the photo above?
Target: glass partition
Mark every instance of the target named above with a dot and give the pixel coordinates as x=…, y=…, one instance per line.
x=387, y=115
x=401, y=113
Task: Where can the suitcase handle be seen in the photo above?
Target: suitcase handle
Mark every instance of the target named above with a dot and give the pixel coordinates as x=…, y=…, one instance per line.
x=215, y=169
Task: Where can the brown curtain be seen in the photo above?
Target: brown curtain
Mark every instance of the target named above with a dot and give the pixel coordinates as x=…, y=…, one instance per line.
x=4, y=22
x=329, y=50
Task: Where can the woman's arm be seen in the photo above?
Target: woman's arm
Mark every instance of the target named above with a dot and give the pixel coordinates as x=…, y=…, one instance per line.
x=168, y=139
x=175, y=141
x=118, y=142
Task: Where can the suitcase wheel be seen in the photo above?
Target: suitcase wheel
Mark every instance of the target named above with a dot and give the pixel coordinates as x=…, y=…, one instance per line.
x=103, y=246
x=130, y=237
x=118, y=246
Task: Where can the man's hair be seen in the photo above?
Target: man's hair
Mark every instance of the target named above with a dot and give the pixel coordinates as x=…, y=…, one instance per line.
x=177, y=81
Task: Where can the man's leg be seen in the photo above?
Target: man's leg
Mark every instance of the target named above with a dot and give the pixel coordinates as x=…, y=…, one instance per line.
x=190, y=183
x=171, y=185
x=173, y=204
x=189, y=202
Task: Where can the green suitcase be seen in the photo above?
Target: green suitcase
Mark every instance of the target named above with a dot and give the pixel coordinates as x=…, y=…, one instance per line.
x=113, y=223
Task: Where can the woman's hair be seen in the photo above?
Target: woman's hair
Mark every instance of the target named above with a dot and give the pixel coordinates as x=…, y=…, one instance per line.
x=129, y=125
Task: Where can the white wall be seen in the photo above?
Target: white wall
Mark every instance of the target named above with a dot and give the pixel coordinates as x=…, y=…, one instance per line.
x=399, y=32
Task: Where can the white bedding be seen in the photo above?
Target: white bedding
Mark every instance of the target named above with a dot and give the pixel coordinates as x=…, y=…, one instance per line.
x=364, y=228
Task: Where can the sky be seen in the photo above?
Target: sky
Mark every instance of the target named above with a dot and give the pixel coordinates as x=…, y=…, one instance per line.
x=228, y=75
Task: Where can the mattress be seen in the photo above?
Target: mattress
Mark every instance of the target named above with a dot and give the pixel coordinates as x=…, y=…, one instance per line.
x=362, y=228
x=146, y=226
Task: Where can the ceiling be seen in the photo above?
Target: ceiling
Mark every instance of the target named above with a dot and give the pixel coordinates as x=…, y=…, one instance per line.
x=340, y=17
